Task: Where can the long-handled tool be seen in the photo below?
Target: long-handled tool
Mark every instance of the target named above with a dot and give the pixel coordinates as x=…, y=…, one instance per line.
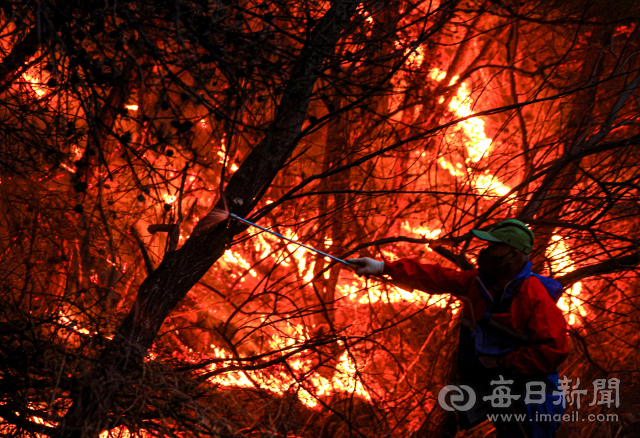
x=218, y=215
x=339, y=260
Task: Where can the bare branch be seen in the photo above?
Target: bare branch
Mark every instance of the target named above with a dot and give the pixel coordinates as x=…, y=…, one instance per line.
x=617, y=264
x=145, y=254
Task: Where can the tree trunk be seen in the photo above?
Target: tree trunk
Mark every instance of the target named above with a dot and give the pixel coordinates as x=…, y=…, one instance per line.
x=94, y=397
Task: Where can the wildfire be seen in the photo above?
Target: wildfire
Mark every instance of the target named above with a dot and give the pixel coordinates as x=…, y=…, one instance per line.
x=437, y=75
x=221, y=155
x=121, y=432
x=280, y=380
x=477, y=146
x=10, y=430
x=423, y=231
x=472, y=134
x=31, y=77
x=66, y=319
x=570, y=302
x=351, y=293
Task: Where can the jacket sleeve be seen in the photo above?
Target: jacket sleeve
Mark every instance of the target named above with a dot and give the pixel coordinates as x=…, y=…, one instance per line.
x=430, y=278
x=546, y=328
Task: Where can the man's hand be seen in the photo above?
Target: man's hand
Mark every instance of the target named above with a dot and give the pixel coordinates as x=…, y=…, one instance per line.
x=367, y=266
x=489, y=361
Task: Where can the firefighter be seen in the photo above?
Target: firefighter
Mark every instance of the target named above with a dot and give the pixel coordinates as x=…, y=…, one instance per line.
x=512, y=331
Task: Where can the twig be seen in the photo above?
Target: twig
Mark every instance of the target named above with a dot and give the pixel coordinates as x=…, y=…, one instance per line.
x=143, y=249
x=160, y=228
x=174, y=234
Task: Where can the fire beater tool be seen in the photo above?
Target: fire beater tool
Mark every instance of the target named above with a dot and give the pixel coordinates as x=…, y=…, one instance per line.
x=218, y=215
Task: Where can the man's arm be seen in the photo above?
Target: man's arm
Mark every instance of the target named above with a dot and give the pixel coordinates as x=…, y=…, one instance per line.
x=411, y=274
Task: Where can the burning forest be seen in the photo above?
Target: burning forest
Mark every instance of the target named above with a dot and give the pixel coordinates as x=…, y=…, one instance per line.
x=183, y=183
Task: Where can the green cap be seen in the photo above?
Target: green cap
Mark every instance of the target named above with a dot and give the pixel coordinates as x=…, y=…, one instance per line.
x=509, y=231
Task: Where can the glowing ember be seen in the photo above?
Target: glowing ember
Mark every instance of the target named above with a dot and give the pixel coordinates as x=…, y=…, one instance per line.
x=169, y=199
x=131, y=107
x=68, y=168
x=76, y=151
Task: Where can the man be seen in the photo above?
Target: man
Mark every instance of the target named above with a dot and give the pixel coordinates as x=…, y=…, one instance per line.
x=511, y=330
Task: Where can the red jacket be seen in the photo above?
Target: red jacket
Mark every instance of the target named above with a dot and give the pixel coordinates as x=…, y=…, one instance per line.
x=529, y=337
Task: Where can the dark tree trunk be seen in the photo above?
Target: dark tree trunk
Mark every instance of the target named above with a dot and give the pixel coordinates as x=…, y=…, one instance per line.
x=94, y=397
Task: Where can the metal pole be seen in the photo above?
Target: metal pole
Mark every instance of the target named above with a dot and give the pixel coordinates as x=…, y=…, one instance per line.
x=288, y=240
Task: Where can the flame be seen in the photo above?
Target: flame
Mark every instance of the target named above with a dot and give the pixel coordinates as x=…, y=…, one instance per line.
x=235, y=258
x=31, y=77
x=489, y=183
x=131, y=107
x=123, y=432
x=300, y=378
x=68, y=168
x=65, y=319
x=10, y=429
x=424, y=232
x=221, y=154
x=416, y=57
x=474, y=138
x=277, y=381
x=169, y=199
x=477, y=144
x=437, y=75
x=570, y=303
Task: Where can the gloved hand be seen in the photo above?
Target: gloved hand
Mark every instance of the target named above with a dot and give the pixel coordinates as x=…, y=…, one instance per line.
x=368, y=266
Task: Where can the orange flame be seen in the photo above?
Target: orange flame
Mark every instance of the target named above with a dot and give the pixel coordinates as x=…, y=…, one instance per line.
x=474, y=138
x=570, y=302
x=345, y=378
x=31, y=77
